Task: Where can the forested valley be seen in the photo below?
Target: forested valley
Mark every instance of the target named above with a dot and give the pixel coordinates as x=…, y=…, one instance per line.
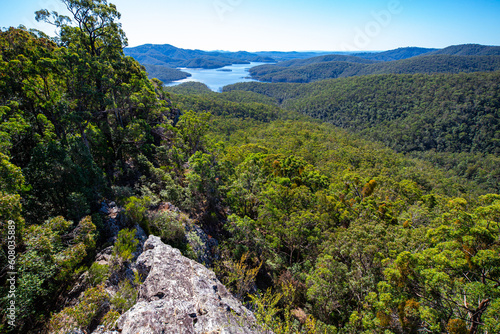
x=355, y=205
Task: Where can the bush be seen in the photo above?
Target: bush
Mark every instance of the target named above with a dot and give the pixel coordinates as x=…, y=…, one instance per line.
x=125, y=244
x=98, y=273
x=109, y=320
x=239, y=277
x=169, y=227
x=135, y=209
x=125, y=298
x=81, y=315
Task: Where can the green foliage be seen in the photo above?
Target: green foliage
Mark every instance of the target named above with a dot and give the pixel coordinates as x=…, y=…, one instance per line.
x=11, y=177
x=189, y=88
x=273, y=311
x=81, y=315
x=462, y=244
x=109, y=320
x=454, y=127
x=53, y=253
x=125, y=297
x=164, y=73
x=98, y=273
x=125, y=245
x=135, y=208
x=63, y=180
x=97, y=30
x=361, y=104
x=232, y=104
x=239, y=277
x=169, y=226
x=192, y=127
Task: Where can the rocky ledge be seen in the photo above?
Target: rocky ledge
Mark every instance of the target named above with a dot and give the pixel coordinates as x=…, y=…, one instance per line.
x=181, y=296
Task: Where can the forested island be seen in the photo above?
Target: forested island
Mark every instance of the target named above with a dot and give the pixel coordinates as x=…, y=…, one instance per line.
x=367, y=204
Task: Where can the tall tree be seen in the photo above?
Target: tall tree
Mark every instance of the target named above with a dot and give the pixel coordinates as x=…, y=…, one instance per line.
x=97, y=28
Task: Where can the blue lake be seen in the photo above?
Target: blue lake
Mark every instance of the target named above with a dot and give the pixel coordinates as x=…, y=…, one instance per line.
x=217, y=78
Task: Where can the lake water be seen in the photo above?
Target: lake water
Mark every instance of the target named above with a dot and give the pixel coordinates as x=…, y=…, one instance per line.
x=217, y=78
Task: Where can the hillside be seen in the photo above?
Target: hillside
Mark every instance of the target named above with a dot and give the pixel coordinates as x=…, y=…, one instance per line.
x=397, y=54
x=323, y=59
x=454, y=113
x=171, y=56
x=468, y=50
x=367, y=102
x=321, y=69
x=165, y=74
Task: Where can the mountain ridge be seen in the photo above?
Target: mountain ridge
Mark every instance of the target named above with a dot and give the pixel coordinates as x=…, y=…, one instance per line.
x=163, y=60
x=426, y=64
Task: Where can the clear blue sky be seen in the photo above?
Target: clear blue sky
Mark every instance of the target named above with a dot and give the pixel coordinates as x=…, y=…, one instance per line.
x=258, y=25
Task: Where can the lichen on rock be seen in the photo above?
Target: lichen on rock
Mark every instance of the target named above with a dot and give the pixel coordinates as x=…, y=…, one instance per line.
x=179, y=295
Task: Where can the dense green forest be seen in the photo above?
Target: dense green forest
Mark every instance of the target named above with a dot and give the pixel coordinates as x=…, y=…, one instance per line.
x=338, y=234
x=321, y=68
x=439, y=117
x=165, y=74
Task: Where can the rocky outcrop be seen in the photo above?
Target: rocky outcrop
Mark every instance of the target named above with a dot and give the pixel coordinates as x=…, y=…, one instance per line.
x=180, y=296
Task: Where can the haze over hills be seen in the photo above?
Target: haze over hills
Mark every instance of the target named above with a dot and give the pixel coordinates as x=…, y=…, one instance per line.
x=342, y=69
x=454, y=59
x=469, y=50
x=397, y=54
x=162, y=61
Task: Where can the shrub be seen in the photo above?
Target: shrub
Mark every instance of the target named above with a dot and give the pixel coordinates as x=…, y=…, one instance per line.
x=135, y=209
x=125, y=244
x=126, y=296
x=239, y=277
x=169, y=227
x=98, y=273
x=109, y=320
x=81, y=315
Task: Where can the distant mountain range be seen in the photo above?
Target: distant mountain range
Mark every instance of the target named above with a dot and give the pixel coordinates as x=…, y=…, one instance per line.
x=469, y=50
x=454, y=59
x=162, y=61
x=168, y=55
x=397, y=54
x=427, y=64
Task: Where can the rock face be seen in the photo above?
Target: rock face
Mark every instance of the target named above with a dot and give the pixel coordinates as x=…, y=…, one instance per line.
x=180, y=296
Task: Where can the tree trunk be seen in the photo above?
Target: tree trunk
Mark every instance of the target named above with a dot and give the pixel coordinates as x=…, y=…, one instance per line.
x=476, y=316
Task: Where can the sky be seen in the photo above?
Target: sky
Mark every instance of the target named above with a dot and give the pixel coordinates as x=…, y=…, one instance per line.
x=290, y=25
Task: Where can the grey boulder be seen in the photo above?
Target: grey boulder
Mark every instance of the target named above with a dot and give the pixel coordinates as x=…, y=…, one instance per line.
x=181, y=296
